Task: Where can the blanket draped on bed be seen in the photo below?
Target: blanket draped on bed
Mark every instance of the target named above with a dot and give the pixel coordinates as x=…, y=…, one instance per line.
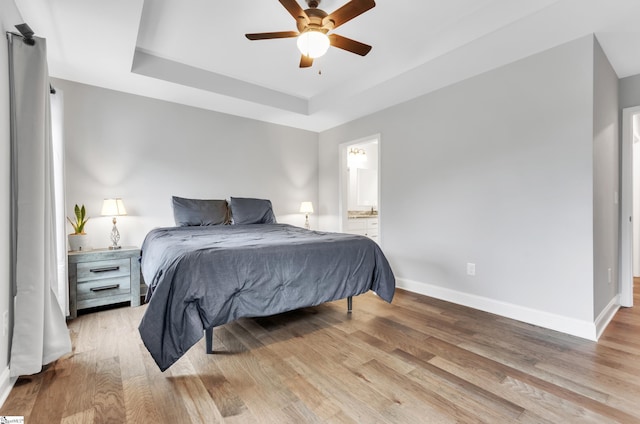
x=202, y=277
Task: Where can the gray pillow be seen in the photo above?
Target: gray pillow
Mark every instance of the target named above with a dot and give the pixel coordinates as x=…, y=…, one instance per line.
x=251, y=211
x=188, y=212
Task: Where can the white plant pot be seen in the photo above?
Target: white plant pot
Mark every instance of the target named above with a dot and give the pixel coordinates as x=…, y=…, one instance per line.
x=78, y=242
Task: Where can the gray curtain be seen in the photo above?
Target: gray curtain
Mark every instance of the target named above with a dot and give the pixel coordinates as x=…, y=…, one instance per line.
x=40, y=334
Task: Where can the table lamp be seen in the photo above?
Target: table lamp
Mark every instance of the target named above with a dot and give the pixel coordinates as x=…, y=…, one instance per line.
x=306, y=208
x=113, y=207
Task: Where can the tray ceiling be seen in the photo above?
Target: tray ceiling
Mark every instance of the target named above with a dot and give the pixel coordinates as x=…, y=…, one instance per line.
x=194, y=51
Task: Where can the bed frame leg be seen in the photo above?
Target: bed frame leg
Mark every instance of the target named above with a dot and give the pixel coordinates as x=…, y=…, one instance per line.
x=349, y=304
x=208, y=335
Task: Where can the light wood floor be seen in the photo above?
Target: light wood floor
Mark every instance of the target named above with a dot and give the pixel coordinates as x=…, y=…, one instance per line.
x=418, y=360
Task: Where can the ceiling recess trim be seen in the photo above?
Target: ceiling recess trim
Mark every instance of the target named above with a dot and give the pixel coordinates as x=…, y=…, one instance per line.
x=152, y=66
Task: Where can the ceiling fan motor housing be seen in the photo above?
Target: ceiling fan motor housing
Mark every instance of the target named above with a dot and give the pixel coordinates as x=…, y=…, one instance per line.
x=315, y=22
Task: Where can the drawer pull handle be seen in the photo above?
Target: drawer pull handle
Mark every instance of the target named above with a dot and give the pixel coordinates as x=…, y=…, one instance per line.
x=105, y=269
x=109, y=287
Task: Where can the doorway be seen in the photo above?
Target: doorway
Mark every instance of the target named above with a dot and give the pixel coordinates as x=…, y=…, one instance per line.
x=630, y=204
x=360, y=187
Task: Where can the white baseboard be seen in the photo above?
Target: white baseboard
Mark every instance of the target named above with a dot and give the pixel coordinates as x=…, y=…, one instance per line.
x=567, y=325
x=6, y=384
x=607, y=315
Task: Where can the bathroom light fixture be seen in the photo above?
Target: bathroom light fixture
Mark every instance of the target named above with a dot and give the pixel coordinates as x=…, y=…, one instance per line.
x=356, y=156
x=306, y=208
x=113, y=207
x=313, y=43
x=355, y=151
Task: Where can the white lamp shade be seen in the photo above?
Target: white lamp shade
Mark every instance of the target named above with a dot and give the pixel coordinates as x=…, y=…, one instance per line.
x=306, y=207
x=113, y=207
x=313, y=43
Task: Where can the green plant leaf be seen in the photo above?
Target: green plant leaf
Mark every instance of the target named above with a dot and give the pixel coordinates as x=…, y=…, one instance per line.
x=81, y=220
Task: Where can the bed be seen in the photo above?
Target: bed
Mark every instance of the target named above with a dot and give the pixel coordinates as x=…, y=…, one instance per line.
x=203, y=276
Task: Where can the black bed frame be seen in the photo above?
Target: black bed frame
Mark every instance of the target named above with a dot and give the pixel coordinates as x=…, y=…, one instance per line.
x=208, y=333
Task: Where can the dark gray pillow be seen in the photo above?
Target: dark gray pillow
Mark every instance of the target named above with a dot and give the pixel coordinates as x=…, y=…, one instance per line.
x=251, y=211
x=188, y=212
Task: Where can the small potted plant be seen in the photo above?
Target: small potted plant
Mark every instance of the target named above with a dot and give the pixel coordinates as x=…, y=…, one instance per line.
x=78, y=239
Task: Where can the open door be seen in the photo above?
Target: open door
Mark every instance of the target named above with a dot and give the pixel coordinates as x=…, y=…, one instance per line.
x=626, y=209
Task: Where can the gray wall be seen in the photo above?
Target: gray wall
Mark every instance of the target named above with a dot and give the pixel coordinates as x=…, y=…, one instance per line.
x=145, y=150
x=606, y=177
x=496, y=170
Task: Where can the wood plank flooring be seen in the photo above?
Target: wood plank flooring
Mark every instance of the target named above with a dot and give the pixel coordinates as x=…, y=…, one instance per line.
x=418, y=360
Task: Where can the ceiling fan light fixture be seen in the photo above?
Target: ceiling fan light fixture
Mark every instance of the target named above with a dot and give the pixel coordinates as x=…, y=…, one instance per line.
x=313, y=43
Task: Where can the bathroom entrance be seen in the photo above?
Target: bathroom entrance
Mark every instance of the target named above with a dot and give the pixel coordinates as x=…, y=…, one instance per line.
x=360, y=205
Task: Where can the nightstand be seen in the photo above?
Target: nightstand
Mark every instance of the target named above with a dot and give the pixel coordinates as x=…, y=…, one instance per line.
x=103, y=277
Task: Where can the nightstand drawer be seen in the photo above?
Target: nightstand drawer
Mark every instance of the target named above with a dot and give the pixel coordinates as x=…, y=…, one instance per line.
x=101, y=277
x=100, y=270
x=96, y=289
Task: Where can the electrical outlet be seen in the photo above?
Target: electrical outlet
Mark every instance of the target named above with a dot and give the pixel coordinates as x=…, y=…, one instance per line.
x=471, y=269
x=5, y=323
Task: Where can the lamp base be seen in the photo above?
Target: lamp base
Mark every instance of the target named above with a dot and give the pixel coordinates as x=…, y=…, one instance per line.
x=115, y=236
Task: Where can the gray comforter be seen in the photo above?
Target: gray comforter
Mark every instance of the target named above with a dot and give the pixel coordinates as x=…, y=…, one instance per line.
x=201, y=277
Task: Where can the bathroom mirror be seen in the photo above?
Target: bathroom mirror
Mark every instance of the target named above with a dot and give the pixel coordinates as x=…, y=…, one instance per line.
x=367, y=187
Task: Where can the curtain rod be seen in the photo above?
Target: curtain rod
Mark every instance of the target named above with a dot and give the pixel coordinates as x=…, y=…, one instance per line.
x=28, y=41
x=25, y=32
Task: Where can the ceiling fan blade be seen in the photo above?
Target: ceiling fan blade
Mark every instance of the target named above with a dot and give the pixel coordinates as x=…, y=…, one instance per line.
x=306, y=61
x=270, y=35
x=349, y=45
x=348, y=11
x=294, y=9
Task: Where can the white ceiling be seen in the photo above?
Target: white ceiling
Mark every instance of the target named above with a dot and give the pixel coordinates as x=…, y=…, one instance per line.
x=194, y=51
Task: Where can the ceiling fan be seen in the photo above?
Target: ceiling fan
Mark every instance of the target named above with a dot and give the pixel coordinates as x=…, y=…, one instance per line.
x=313, y=27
